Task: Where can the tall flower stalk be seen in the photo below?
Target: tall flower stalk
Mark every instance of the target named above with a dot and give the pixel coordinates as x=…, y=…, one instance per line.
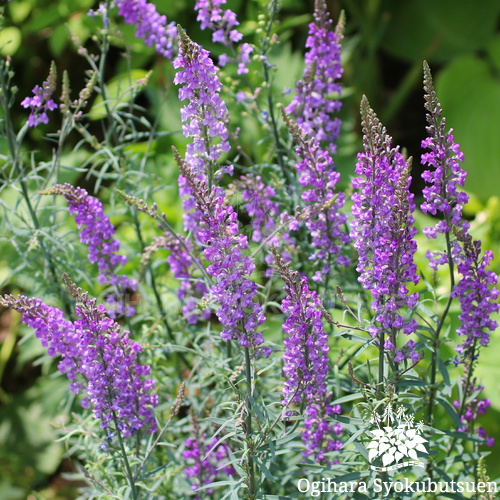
x=314, y=106
x=224, y=247
x=151, y=26
x=383, y=234
x=306, y=364
x=98, y=358
x=97, y=233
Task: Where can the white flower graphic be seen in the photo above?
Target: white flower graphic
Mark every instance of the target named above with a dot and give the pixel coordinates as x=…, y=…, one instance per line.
x=392, y=443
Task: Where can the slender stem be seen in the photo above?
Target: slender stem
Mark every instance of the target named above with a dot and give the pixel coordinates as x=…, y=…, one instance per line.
x=128, y=470
x=252, y=492
x=435, y=343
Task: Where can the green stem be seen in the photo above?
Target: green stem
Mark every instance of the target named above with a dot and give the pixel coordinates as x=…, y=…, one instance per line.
x=128, y=469
x=435, y=342
x=252, y=492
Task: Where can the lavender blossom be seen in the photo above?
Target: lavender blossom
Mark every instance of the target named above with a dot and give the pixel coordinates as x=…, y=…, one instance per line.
x=442, y=197
x=477, y=293
x=42, y=102
x=95, y=350
x=323, y=210
x=313, y=104
x=258, y=203
x=224, y=246
x=204, y=119
x=150, y=25
x=383, y=233
x=223, y=23
x=191, y=289
x=318, y=435
x=209, y=461
x=97, y=234
x=306, y=363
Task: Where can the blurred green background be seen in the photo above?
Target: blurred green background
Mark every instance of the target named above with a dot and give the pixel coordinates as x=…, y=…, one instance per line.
x=385, y=43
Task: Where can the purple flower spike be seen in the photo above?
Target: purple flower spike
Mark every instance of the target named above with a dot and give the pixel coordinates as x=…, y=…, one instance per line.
x=224, y=246
x=42, y=102
x=383, y=231
x=204, y=118
x=477, y=294
x=97, y=233
x=223, y=24
x=95, y=350
x=443, y=197
x=313, y=105
x=150, y=25
x=323, y=203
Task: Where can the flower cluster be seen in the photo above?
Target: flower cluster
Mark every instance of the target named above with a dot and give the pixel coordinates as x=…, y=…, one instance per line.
x=150, y=25
x=94, y=349
x=383, y=233
x=442, y=196
x=259, y=204
x=306, y=346
x=318, y=433
x=222, y=23
x=323, y=211
x=204, y=118
x=313, y=105
x=208, y=461
x=224, y=246
x=306, y=362
x=477, y=294
x=97, y=233
x=471, y=411
x=42, y=102
x=191, y=289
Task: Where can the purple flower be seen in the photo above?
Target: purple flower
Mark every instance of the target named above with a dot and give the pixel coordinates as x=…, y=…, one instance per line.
x=443, y=197
x=313, y=105
x=150, y=25
x=204, y=118
x=224, y=247
x=477, y=294
x=319, y=434
x=191, y=289
x=97, y=357
x=223, y=23
x=42, y=102
x=97, y=233
x=259, y=206
x=306, y=345
x=323, y=203
x=383, y=230
x=306, y=363
x=209, y=460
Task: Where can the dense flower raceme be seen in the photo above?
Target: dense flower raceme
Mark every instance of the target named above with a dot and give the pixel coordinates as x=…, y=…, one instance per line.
x=323, y=204
x=477, y=293
x=95, y=349
x=224, y=246
x=259, y=204
x=471, y=411
x=313, y=105
x=319, y=434
x=97, y=233
x=222, y=23
x=151, y=26
x=41, y=102
x=442, y=196
x=476, y=289
x=306, y=362
x=209, y=461
x=204, y=119
x=383, y=234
